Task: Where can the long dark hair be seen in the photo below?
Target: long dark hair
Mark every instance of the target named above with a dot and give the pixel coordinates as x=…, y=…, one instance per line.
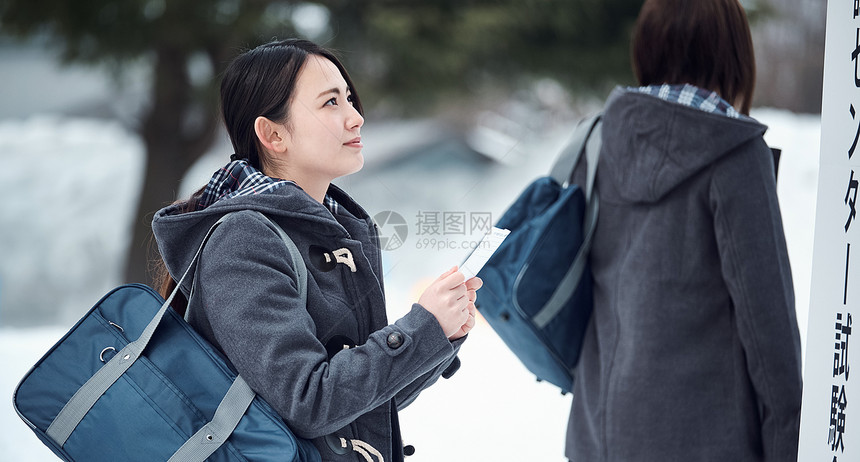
x=706, y=43
x=258, y=82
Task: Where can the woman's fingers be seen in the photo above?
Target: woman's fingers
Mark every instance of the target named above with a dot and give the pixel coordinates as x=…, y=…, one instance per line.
x=474, y=283
x=473, y=295
x=448, y=273
x=452, y=279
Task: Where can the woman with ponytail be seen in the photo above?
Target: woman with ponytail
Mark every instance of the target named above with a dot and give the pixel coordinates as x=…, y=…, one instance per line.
x=334, y=368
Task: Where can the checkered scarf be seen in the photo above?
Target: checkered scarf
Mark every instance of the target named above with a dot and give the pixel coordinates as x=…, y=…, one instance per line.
x=692, y=96
x=239, y=178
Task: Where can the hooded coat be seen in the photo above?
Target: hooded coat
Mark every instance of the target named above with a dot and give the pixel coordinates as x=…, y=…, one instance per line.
x=693, y=350
x=333, y=369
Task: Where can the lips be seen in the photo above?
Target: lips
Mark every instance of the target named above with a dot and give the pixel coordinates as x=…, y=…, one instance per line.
x=354, y=143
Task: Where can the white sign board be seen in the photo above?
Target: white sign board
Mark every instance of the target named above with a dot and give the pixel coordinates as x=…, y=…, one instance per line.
x=830, y=416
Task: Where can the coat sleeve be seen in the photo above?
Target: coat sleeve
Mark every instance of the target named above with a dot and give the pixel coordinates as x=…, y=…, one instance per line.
x=250, y=298
x=755, y=266
x=407, y=395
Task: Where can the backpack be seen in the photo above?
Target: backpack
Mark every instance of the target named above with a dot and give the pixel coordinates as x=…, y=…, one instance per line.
x=133, y=381
x=537, y=293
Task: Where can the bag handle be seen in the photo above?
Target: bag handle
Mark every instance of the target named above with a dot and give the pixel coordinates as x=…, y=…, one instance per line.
x=211, y=436
x=229, y=411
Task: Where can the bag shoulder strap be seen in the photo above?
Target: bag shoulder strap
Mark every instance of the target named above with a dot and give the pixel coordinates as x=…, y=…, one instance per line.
x=298, y=261
x=585, y=138
x=295, y=256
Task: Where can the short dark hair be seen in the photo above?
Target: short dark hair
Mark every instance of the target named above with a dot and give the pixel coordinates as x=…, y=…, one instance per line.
x=261, y=82
x=706, y=43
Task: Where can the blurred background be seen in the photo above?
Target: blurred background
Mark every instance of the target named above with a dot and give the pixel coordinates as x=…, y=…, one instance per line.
x=108, y=111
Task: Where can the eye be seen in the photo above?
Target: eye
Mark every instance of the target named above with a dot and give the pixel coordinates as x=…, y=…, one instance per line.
x=331, y=102
x=350, y=99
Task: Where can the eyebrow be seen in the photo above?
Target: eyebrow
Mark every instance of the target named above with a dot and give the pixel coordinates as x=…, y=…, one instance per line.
x=335, y=91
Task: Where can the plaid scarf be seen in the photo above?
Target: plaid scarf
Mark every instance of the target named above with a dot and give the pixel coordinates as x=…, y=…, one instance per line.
x=692, y=96
x=239, y=178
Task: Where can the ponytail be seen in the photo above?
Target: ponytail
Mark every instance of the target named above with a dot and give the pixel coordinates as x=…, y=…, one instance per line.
x=164, y=282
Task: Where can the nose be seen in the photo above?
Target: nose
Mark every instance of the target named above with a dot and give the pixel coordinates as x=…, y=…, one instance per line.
x=355, y=120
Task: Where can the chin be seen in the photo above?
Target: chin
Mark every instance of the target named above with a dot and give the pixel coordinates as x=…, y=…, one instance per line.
x=359, y=163
x=353, y=167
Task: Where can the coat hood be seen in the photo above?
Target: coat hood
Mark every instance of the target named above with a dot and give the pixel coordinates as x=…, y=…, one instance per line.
x=179, y=233
x=651, y=145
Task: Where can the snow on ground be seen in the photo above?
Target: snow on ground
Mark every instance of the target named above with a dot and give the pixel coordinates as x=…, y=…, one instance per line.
x=68, y=222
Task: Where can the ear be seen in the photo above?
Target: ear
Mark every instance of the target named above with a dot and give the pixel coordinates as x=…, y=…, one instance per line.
x=272, y=135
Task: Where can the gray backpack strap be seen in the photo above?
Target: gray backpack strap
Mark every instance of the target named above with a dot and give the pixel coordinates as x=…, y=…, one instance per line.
x=585, y=138
x=295, y=255
x=592, y=157
x=298, y=262
x=591, y=145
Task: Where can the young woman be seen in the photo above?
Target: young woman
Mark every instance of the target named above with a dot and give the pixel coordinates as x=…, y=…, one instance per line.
x=693, y=351
x=334, y=368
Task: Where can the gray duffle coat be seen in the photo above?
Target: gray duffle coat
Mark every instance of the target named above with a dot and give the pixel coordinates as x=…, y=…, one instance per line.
x=334, y=369
x=693, y=350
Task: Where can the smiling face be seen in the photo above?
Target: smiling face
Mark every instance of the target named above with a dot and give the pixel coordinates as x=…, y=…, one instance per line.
x=321, y=138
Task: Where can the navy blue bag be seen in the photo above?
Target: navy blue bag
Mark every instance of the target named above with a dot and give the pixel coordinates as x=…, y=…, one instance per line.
x=537, y=286
x=132, y=381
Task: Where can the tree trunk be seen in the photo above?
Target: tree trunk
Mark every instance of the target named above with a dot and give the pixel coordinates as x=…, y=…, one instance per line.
x=159, y=187
x=170, y=152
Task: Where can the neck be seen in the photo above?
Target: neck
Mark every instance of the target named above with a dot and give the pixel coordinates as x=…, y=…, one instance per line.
x=317, y=192
x=314, y=187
